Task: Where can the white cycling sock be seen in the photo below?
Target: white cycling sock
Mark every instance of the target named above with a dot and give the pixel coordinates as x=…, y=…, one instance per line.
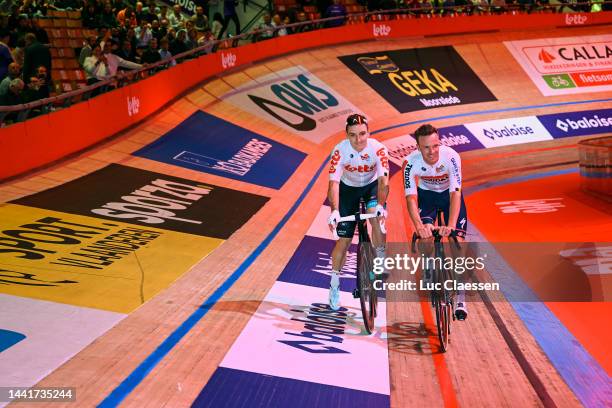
x=380, y=251
x=335, y=278
x=461, y=297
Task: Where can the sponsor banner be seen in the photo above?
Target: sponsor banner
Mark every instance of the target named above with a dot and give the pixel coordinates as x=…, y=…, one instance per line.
x=151, y=200
x=311, y=265
x=50, y=334
x=295, y=100
x=86, y=261
x=271, y=391
x=578, y=123
x=459, y=138
x=420, y=78
x=569, y=65
x=294, y=334
x=206, y=143
x=505, y=132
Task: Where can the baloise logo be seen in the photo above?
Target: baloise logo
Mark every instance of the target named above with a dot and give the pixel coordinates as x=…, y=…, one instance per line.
x=592, y=122
x=298, y=98
x=507, y=131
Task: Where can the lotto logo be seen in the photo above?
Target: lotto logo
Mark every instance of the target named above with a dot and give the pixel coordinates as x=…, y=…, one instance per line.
x=381, y=30
x=133, y=105
x=576, y=19
x=228, y=60
x=544, y=205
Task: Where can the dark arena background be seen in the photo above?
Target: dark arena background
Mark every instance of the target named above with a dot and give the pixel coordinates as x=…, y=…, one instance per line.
x=163, y=227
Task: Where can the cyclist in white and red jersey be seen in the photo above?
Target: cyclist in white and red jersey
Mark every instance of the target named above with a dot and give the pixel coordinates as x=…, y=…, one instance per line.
x=358, y=169
x=438, y=171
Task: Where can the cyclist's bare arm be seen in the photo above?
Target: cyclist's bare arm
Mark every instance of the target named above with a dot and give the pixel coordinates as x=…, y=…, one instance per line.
x=383, y=189
x=333, y=196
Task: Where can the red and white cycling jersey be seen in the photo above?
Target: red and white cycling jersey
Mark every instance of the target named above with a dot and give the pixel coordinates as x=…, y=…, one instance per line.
x=358, y=169
x=442, y=176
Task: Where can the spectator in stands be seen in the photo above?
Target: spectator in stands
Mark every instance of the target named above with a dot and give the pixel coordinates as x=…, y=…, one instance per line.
x=87, y=49
x=143, y=34
x=216, y=25
x=156, y=30
x=192, y=39
x=34, y=91
x=151, y=54
x=43, y=80
x=526, y=5
x=19, y=51
x=163, y=29
x=89, y=16
x=163, y=13
x=149, y=14
x=448, y=7
x=103, y=64
x=498, y=6
x=41, y=34
x=178, y=45
x=229, y=14
x=14, y=95
x=6, y=58
x=302, y=18
x=35, y=55
x=126, y=17
x=176, y=19
x=14, y=71
x=126, y=51
x=200, y=21
x=425, y=7
x=277, y=22
x=139, y=13
x=206, y=41
x=107, y=17
x=96, y=66
x=267, y=28
x=336, y=10
x=480, y=6
x=165, y=53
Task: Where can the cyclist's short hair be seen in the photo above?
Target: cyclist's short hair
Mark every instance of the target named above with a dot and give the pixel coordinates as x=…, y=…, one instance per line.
x=356, y=119
x=424, y=130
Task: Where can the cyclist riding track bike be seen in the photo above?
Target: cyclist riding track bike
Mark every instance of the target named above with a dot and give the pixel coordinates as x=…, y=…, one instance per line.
x=432, y=182
x=358, y=170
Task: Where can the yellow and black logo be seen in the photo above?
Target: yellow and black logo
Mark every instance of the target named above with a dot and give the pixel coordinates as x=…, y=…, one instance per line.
x=422, y=78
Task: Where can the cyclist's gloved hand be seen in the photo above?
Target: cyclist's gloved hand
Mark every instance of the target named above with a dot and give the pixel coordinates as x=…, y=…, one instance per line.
x=333, y=219
x=380, y=211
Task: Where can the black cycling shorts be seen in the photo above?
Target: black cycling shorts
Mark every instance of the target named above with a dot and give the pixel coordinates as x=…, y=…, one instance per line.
x=349, y=205
x=432, y=201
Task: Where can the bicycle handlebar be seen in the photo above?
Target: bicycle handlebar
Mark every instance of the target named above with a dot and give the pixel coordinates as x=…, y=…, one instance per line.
x=357, y=217
x=437, y=238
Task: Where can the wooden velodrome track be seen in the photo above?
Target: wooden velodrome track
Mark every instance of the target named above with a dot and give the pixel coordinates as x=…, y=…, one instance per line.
x=481, y=369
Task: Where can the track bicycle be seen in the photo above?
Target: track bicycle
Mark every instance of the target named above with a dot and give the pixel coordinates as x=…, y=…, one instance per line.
x=364, y=289
x=442, y=299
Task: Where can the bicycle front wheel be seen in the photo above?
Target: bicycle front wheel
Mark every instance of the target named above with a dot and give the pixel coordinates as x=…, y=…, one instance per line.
x=365, y=283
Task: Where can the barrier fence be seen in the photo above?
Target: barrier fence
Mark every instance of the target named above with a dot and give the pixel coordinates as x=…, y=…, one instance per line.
x=74, y=121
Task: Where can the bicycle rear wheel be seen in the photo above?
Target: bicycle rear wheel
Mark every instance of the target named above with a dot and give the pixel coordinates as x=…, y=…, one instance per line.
x=365, y=284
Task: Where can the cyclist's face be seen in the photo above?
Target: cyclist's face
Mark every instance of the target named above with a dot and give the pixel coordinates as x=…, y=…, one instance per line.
x=358, y=136
x=429, y=146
